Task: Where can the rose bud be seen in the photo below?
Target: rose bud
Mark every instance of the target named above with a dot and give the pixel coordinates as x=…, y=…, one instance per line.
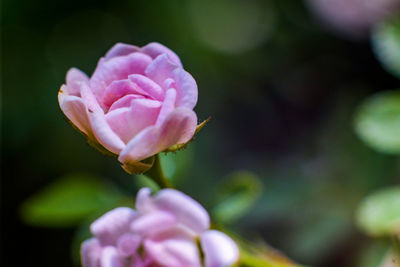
x=138, y=102
x=169, y=229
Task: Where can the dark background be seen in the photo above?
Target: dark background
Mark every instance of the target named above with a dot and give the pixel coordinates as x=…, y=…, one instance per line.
x=282, y=90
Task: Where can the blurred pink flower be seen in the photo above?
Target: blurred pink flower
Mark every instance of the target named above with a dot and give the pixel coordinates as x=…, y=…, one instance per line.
x=167, y=229
x=138, y=102
x=353, y=17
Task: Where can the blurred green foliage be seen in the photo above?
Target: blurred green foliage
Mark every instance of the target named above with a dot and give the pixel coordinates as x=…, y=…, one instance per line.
x=70, y=200
x=237, y=195
x=379, y=213
x=386, y=43
x=378, y=122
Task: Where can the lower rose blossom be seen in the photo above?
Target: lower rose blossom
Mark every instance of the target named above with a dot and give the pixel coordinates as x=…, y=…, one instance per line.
x=168, y=229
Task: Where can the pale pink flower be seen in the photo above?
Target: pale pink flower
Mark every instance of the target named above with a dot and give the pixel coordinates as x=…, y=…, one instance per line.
x=138, y=102
x=166, y=230
x=353, y=18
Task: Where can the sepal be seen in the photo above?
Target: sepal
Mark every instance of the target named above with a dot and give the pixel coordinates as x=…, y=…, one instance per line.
x=138, y=167
x=177, y=147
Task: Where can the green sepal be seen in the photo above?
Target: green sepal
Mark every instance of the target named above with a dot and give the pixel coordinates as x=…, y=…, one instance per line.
x=138, y=167
x=177, y=147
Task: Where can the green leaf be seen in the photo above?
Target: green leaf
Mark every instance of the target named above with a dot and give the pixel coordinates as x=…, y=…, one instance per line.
x=386, y=43
x=68, y=201
x=377, y=122
x=237, y=195
x=379, y=213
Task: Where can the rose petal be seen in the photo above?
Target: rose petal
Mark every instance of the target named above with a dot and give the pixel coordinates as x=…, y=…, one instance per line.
x=167, y=107
x=90, y=253
x=142, y=146
x=111, y=258
x=136, y=261
x=127, y=122
x=119, y=89
x=89, y=98
x=117, y=68
x=127, y=244
x=168, y=83
x=109, y=227
x=143, y=200
x=104, y=134
x=173, y=248
x=219, y=249
x=178, y=127
x=124, y=102
x=160, y=69
x=186, y=210
x=121, y=49
x=74, y=79
x=151, y=88
x=155, y=49
x=76, y=111
x=152, y=222
x=186, y=89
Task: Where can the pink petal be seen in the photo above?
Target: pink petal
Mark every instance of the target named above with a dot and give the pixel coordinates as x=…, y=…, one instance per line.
x=90, y=253
x=117, y=68
x=76, y=111
x=121, y=49
x=119, y=89
x=173, y=248
x=127, y=244
x=151, y=88
x=168, y=83
x=142, y=146
x=111, y=258
x=167, y=107
x=104, y=134
x=155, y=49
x=127, y=122
x=219, y=249
x=152, y=222
x=124, y=102
x=161, y=69
x=109, y=227
x=136, y=261
x=186, y=89
x=143, y=200
x=186, y=210
x=88, y=97
x=74, y=79
x=178, y=127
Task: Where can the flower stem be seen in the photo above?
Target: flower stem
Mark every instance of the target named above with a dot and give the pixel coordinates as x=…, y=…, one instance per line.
x=396, y=247
x=157, y=175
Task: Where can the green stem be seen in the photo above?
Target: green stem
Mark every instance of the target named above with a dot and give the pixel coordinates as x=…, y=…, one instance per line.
x=157, y=175
x=396, y=246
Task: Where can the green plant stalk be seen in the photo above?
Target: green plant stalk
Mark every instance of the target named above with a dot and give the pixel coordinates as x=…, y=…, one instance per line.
x=157, y=175
x=396, y=246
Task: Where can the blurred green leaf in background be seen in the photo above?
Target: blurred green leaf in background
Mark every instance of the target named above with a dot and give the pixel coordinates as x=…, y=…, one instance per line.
x=377, y=122
x=237, y=195
x=69, y=201
x=379, y=213
x=386, y=44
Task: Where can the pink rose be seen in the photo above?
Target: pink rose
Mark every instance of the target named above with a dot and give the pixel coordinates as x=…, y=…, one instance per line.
x=168, y=229
x=137, y=103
